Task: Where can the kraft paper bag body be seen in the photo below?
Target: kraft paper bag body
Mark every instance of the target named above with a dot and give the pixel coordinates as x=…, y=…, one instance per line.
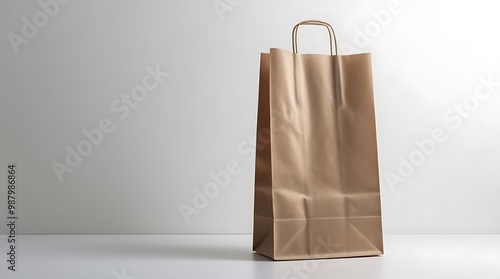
x=317, y=191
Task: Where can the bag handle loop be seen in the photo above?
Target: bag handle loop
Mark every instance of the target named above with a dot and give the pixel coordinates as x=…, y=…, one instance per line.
x=331, y=33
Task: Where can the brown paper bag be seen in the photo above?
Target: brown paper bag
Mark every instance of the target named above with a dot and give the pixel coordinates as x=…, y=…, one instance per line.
x=317, y=189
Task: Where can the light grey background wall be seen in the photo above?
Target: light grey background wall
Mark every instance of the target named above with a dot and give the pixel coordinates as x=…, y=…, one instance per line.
x=166, y=91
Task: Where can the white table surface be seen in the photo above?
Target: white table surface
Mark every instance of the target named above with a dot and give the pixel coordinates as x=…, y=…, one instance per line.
x=230, y=256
